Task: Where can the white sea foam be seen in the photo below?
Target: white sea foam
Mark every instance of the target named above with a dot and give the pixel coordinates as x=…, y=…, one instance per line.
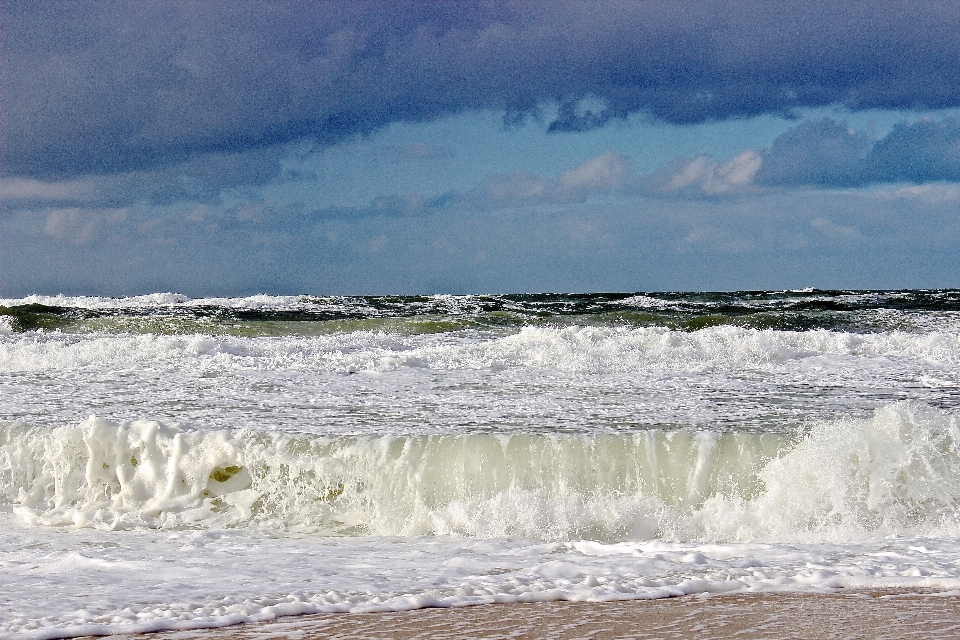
x=98, y=302
x=587, y=349
x=161, y=580
x=554, y=378
x=261, y=302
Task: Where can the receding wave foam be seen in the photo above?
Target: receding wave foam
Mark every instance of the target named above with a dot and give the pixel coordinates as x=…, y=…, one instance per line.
x=895, y=473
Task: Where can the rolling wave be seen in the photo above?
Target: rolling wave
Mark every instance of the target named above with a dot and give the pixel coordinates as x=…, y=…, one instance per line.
x=897, y=473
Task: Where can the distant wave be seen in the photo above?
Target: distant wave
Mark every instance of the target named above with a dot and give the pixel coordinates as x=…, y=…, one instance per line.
x=574, y=348
x=854, y=311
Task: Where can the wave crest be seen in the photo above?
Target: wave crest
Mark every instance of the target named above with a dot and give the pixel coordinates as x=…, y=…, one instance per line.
x=895, y=473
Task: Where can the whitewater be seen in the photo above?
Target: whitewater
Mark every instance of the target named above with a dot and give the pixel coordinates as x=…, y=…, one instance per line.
x=173, y=463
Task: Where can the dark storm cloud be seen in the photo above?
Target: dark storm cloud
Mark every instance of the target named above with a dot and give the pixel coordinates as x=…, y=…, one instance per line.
x=98, y=87
x=822, y=152
x=829, y=153
x=923, y=152
x=200, y=179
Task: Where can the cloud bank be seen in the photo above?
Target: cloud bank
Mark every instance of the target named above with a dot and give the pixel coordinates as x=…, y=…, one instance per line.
x=823, y=153
x=830, y=153
x=114, y=87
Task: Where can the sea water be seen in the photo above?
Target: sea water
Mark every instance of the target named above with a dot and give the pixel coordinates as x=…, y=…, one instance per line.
x=171, y=463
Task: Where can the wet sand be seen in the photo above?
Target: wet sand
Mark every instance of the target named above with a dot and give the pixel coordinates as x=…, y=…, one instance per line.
x=752, y=616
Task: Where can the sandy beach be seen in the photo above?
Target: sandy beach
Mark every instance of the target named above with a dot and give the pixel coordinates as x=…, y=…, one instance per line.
x=835, y=615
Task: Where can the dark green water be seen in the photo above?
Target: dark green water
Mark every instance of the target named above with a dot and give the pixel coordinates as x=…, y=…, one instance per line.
x=850, y=311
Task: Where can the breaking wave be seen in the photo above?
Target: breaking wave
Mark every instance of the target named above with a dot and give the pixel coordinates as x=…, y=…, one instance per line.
x=587, y=349
x=895, y=473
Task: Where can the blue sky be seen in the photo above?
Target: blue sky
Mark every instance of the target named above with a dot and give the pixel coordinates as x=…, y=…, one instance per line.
x=405, y=147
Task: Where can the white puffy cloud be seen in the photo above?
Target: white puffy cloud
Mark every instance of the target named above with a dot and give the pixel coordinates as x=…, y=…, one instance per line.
x=606, y=172
x=704, y=176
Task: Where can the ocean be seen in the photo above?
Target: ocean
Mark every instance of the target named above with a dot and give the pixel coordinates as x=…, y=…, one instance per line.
x=170, y=462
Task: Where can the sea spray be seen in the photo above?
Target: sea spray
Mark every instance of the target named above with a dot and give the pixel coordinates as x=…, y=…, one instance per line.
x=897, y=473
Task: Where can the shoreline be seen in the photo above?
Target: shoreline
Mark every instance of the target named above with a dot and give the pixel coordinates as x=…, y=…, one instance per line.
x=845, y=613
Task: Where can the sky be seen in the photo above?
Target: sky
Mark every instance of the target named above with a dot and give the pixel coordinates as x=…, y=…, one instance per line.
x=400, y=147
